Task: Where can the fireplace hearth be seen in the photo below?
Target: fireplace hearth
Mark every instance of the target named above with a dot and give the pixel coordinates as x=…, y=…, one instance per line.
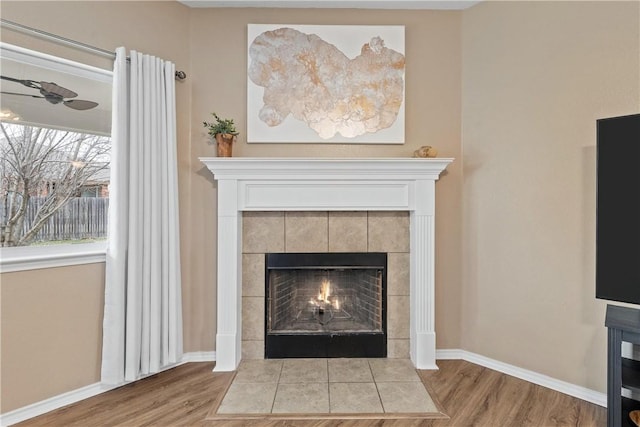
x=325, y=305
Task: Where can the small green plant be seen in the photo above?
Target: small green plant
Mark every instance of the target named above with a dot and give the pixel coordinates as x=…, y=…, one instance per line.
x=220, y=126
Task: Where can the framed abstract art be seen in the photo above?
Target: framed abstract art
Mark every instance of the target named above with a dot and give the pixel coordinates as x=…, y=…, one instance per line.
x=325, y=84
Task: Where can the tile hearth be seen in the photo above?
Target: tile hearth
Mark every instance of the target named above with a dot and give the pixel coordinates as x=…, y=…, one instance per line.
x=327, y=386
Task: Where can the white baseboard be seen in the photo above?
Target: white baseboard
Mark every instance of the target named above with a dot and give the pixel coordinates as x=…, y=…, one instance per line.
x=199, y=356
x=52, y=403
x=527, y=375
x=73, y=396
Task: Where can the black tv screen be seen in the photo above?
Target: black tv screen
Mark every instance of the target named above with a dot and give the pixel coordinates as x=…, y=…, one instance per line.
x=618, y=209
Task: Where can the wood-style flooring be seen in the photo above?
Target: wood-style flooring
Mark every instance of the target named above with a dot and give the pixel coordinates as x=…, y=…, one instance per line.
x=470, y=394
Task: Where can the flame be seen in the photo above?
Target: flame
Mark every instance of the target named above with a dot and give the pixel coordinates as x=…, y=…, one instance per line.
x=325, y=291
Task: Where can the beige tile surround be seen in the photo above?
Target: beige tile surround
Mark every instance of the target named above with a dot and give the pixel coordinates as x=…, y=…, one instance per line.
x=264, y=232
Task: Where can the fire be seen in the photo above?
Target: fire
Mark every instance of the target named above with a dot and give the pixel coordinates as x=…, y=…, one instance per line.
x=325, y=291
x=325, y=298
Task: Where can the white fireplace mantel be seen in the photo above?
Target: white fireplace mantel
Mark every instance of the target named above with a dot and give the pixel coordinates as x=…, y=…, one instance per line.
x=325, y=184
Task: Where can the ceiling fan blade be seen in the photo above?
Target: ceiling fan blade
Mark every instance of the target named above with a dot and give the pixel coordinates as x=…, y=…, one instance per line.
x=51, y=87
x=27, y=83
x=80, y=104
x=21, y=94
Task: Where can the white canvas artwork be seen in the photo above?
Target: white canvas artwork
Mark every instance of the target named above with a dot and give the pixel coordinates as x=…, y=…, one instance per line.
x=325, y=84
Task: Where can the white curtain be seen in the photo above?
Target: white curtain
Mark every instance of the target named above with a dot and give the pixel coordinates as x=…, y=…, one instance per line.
x=142, y=326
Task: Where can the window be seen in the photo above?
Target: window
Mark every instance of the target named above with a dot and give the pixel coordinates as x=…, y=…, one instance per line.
x=44, y=176
x=55, y=122
x=54, y=149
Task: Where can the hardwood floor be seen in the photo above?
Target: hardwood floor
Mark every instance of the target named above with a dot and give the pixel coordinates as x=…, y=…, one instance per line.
x=470, y=395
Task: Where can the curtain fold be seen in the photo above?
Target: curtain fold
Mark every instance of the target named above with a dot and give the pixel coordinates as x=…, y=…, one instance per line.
x=142, y=327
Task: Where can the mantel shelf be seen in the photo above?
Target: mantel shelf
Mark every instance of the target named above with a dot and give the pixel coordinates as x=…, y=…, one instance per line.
x=322, y=168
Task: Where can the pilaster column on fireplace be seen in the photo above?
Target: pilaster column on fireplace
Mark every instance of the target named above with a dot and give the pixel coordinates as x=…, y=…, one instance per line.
x=422, y=289
x=229, y=299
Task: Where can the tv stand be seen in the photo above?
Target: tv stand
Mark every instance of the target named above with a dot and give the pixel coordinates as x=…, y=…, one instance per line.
x=623, y=324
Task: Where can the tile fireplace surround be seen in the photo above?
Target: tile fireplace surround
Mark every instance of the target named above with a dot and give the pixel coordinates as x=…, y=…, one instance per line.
x=325, y=184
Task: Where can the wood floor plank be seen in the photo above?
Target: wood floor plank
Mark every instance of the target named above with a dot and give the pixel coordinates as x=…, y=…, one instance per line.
x=468, y=393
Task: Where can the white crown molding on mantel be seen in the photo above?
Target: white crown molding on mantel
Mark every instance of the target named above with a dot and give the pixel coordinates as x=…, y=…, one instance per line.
x=332, y=4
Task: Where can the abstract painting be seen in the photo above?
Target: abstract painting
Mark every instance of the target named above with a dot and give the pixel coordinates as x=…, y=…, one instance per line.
x=325, y=84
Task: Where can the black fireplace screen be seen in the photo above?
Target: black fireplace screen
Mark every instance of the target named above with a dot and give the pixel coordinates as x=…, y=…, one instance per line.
x=326, y=303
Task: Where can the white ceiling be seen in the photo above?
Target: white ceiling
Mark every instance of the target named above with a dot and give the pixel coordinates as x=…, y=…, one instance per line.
x=349, y=4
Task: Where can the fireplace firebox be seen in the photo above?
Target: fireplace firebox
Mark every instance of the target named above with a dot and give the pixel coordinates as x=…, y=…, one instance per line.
x=325, y=305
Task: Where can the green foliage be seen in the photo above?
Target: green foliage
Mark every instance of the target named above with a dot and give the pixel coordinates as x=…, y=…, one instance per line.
x=220, y=126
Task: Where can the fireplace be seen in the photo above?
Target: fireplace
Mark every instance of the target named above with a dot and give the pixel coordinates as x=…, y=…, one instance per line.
x=325, y=305
x=325, y=184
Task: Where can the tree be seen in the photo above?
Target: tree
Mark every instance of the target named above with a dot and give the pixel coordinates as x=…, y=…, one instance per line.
x=52, y=163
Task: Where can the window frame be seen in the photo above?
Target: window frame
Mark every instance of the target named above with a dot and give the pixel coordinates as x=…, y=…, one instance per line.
x=22, y=258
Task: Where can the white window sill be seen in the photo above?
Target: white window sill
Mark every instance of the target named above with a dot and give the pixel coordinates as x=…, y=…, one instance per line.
x=35, y=257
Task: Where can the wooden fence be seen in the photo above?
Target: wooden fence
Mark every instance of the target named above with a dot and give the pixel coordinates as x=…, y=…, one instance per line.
x=80, y=218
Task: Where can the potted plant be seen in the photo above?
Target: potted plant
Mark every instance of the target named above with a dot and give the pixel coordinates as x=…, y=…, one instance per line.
x=224, y=131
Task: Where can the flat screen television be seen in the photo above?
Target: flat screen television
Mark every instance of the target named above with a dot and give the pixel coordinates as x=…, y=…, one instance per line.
x=618, y=209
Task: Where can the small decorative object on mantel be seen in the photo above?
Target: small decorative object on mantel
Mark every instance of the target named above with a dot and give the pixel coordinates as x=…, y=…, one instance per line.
x=225, y=133
x=425, y=151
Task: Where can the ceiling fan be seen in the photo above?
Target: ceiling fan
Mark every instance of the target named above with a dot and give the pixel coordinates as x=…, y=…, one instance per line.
x=53, y=93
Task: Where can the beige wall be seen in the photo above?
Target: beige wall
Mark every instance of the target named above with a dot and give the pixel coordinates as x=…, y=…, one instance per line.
x=536, y=76
x=51, y=332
